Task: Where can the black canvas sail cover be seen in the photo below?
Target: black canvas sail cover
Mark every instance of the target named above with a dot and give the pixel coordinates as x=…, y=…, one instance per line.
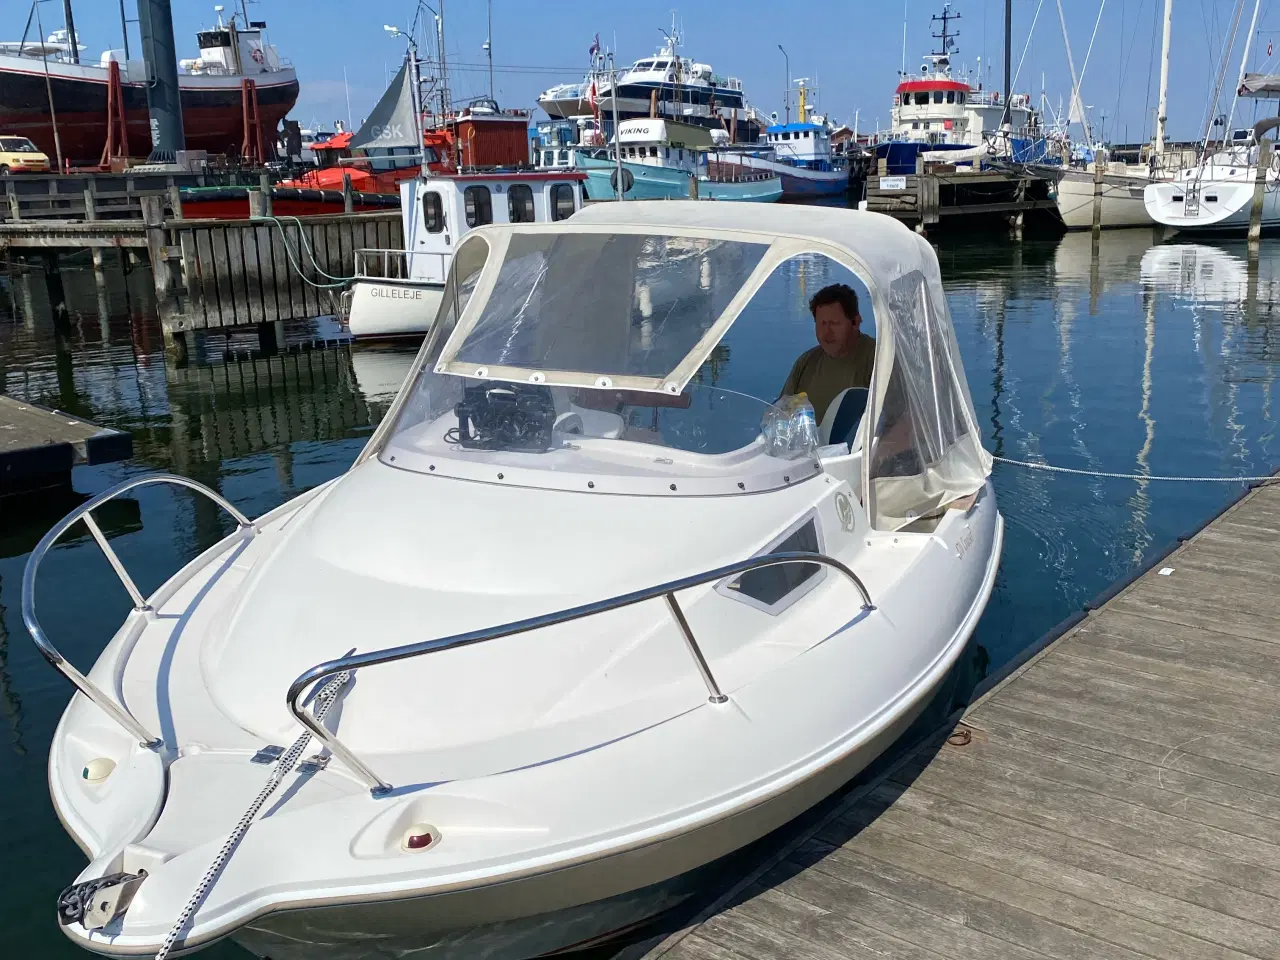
x=392, y=123
x=1261, y=86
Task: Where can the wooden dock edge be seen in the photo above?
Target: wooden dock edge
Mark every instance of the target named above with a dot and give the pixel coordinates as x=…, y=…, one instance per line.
x=656, y=947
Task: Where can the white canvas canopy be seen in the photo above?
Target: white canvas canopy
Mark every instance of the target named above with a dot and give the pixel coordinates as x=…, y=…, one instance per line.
x=925, y=449
x=1261, y=86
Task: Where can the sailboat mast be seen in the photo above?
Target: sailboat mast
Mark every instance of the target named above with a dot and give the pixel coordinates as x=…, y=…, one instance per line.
x=1244, y=66
x=1162, y=115
x=1077, y=105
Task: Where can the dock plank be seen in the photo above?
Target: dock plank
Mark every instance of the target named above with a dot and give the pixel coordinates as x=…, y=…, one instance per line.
x=1117, y=797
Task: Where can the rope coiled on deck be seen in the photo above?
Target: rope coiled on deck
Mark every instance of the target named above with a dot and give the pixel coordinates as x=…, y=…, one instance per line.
x=324, y=699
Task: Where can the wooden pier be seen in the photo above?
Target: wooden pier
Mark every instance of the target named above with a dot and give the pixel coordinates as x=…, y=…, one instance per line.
x=1117, y=797
x=39, y=447
x=938, y=193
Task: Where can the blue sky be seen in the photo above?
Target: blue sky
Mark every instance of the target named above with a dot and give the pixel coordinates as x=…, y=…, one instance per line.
x=852, y=50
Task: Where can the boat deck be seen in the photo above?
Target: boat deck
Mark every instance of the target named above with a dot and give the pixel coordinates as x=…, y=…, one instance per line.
x=1117, y=797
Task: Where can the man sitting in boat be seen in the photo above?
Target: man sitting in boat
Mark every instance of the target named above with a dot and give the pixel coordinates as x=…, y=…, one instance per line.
x=844, y=355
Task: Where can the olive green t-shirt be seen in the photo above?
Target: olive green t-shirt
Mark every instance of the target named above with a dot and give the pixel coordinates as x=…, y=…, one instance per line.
x=823, y=377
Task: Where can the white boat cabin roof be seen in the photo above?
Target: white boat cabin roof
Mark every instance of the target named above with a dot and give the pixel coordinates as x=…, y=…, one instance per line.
x=664, y=133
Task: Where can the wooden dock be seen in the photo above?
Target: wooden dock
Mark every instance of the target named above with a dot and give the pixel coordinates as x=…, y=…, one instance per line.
x=39, y=447
x=1117, y=797
x=939, y=193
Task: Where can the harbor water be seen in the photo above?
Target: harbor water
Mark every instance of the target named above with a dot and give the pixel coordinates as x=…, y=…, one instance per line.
x=1130, y=357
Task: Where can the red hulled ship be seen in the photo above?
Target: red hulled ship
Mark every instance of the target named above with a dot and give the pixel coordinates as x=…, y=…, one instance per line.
x=236, y=70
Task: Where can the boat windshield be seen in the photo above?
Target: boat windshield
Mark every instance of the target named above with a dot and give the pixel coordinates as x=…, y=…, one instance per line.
x=602, y=310
x=569, y=373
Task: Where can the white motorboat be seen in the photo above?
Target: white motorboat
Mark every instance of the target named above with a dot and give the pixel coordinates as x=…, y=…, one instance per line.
x=396, y=293
x=571, y=627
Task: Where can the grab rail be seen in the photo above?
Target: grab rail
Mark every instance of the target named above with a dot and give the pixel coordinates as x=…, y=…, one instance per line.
x=379, y=787
x=84, y=512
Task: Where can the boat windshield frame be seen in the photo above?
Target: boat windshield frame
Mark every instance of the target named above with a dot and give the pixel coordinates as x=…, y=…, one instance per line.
x=778, y=250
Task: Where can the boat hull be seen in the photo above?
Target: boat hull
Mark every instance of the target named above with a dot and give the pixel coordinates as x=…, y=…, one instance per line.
x=1224, y=209
x=584, y=903
x=799, y=183
x=1122, y=201
x=212, y=114
x=661, y=183
x=386, y=308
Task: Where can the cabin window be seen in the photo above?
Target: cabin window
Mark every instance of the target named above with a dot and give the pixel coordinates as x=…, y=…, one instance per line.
x=564, y=156
x=666, y=153
x=922, y=99
x=961, y=97
x=937, y=96
x=653, y=152
x=808, y=134
x=681, y=152
x=562, y=201
x=951, y=96
x=433, y=212
x=548, y=158
x=906, y=99
x=915, y=124
x=520, y=203
x=773, y=589
x=479, y=205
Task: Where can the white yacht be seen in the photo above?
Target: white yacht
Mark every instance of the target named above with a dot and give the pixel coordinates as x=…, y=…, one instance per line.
x=396, y=293
x=570, y=628
x=1216, y=197
x=663, y=85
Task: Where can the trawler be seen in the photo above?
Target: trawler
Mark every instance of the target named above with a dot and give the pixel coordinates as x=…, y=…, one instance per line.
x=37, y=77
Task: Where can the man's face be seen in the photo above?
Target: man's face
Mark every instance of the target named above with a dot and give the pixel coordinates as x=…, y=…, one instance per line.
x=836, y=332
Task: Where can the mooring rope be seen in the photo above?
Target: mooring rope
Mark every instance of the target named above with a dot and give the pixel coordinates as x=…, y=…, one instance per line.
x=324, y=699
x=302, y=242
x=1271, y=478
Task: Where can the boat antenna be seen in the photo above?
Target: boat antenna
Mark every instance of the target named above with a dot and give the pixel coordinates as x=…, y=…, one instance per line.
x=903, y=71
x=947, y=37
x=488, y=49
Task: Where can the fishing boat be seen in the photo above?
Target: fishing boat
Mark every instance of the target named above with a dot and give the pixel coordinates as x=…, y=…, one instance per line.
x=940, y=112
x=41, y=81
x=663, y=85
x=575, y=625
x=397, y=293
x=667, y=160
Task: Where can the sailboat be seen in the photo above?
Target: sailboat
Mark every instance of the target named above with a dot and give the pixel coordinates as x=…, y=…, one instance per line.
x=1123, y=186
x=1217, y=195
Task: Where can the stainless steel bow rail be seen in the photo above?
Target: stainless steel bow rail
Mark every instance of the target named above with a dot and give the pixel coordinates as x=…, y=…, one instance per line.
x=379, y=787
x=85, y=512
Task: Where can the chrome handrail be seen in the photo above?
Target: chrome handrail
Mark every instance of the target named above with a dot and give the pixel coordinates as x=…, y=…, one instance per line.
x=84, y=512
x=379, y=787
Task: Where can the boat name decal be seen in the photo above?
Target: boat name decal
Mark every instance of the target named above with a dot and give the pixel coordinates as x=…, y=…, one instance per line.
x=395, y=293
